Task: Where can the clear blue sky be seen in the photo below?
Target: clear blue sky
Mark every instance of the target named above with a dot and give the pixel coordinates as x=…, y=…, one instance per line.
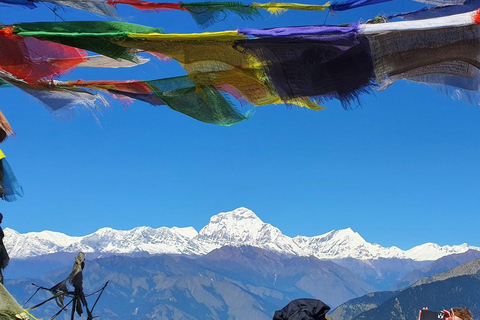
x=401, y=170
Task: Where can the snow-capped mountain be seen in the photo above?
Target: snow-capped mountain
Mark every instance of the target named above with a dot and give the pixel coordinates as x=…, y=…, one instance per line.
x=243, y=227
x=345, y=244
x=234, y=228
x=106, y=240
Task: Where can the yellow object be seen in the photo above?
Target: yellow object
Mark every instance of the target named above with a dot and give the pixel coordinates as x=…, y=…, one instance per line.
x=29, y=314
x=305, y=102
x=211, y=47
x=212, y=58
x=280, y=7
x=202, y=36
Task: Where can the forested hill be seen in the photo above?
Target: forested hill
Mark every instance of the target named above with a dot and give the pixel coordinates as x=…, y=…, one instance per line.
x=457, y=287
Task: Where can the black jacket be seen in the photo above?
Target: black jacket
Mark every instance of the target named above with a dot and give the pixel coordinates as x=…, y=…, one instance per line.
x=303, y=309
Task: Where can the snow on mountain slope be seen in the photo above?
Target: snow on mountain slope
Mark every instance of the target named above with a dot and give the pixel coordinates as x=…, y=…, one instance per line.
x=234, y=228
x=432, y=251
x=39, y=243
x=243, y=227
x=107, y=240
x=161, y=240
x=344, y=244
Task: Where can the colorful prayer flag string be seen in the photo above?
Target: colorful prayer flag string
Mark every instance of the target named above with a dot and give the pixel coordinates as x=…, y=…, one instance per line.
x=204, y=13
x=299, y=65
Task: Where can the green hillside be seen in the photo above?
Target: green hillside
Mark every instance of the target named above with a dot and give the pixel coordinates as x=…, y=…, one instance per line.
x=457, y=287
x=459, y=291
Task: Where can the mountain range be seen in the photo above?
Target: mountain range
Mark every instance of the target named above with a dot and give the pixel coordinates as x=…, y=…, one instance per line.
x=237, y=267
x=234, y=228
x=245, y=283
x=241, y=283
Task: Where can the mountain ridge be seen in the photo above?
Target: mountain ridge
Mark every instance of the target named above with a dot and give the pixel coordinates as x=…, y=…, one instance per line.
x=241, y=283
x=233, y=228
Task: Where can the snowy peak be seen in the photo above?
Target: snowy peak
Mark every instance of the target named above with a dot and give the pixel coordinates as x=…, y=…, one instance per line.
x=105, y=240
x=236, y=216
x=344, y=244
x=239, y=225
x=234, y=228
x=432, y=251
x=243, y=227
x=141, y=239
x=36, y=243
x=341, y=237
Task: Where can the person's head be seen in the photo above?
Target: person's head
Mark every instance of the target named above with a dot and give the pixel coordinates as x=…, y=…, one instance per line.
x=462, y=314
